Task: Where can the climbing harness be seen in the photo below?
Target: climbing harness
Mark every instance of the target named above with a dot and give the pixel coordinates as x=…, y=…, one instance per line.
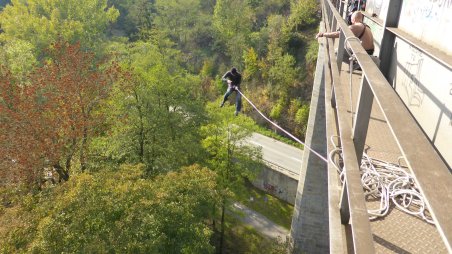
x=387, y=182
x=277, y=126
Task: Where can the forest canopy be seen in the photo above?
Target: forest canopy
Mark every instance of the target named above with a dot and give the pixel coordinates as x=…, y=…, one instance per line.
x=109, y=121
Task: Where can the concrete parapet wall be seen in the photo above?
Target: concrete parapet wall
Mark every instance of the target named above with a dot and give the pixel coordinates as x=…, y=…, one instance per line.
x=277, y=183
x=309, y=231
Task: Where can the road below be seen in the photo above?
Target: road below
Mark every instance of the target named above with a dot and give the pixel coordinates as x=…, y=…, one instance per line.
x=277, y=152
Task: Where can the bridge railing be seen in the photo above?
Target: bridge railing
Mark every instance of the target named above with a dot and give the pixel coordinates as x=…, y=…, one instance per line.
x=280, y=168
x=430, y=172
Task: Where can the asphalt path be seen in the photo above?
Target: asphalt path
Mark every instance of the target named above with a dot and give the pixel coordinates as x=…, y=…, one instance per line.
x=260, y=223
x=277, y=152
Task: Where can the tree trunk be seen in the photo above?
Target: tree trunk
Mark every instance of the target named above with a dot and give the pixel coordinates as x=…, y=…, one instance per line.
x=64, y=174
x=223, y=204
x=83, y=150
x=223, y=208
x=141, y=139
x=213, y=218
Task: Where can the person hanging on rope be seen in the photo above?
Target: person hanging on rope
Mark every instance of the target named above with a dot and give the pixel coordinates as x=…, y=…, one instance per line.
x=233, y=78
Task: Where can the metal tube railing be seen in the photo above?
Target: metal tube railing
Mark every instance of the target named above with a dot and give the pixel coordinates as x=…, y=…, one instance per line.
x=335, y=229
x=353, y=209
x=430, y=172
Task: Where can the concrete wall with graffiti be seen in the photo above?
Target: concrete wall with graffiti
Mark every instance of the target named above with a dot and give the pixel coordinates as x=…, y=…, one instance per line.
x=430, y=21
x=425, y=86
x=378, y=8
x=278, y=184
x=427, y=20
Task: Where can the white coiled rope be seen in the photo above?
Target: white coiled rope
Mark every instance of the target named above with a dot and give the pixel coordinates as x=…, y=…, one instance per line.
x=387, y=182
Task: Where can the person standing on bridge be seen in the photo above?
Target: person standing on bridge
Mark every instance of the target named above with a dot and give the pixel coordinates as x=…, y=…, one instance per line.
x=233, y=78
x=359, y=29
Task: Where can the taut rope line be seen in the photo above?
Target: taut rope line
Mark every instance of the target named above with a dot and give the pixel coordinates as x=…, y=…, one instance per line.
x=279, y=127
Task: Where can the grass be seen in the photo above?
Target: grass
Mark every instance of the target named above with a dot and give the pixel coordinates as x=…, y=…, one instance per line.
x=243, y=239
x=278, y=211
x=240, y=238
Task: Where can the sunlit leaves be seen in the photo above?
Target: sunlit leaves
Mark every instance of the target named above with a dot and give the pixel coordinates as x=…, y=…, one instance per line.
x=302, y=13
x=121, y=213
x=301, y=119
x=19, y=56
x=251, y=62
x=42, y=22
x=233, y=21
x=224, y=139
x=156, y=115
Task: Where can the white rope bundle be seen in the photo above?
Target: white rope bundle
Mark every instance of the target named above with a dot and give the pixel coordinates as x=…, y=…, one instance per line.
x=387, y=182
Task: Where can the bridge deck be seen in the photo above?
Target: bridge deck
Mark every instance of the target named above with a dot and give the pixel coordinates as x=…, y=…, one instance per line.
x=397, y=232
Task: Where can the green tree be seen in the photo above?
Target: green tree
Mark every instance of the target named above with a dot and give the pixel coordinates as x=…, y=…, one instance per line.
x=154, y=117
x=230, y=157
x=283, y=72
x=233, y=22
x=43, y=22
x=303, y=13
x=136, y=17
x=18, y=56
x=301, y=118
x=251, y=63
x=118, y=212
x=188, y=24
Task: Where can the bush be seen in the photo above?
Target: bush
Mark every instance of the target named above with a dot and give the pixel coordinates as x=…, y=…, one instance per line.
x=114, y=212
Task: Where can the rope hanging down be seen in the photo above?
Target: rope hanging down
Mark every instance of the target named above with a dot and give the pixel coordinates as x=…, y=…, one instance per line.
x=277, y=126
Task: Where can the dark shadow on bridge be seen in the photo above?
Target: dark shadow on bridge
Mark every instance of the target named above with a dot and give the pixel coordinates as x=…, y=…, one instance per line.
x=389, y=245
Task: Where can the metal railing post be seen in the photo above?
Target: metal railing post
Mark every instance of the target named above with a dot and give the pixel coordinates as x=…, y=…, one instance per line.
x=361, y=124
x=341, y=8
x=387, y=42
x=344, y=205
x=340, y=50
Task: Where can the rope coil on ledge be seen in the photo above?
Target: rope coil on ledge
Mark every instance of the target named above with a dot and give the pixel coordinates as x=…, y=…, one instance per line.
x=386, y=182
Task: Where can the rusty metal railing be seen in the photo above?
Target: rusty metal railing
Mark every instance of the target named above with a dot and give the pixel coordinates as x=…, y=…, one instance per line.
x=430, y=172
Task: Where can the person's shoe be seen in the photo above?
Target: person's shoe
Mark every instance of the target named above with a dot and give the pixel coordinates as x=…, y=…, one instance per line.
x=222, y=104
x=236, y=113
x=356, y=66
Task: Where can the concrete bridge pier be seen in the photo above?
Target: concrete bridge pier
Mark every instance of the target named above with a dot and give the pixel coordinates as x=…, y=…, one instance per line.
x=309, y=230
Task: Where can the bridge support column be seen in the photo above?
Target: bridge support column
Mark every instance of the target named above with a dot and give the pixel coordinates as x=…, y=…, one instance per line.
x=309, y=230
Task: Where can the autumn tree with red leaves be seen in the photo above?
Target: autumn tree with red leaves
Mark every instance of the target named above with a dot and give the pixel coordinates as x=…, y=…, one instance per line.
x=46, y=124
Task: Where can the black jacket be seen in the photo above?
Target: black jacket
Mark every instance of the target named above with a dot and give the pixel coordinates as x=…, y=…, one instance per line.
x=235, y=78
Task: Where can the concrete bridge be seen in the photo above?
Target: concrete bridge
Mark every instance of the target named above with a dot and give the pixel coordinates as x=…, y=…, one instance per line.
x=399, y=109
